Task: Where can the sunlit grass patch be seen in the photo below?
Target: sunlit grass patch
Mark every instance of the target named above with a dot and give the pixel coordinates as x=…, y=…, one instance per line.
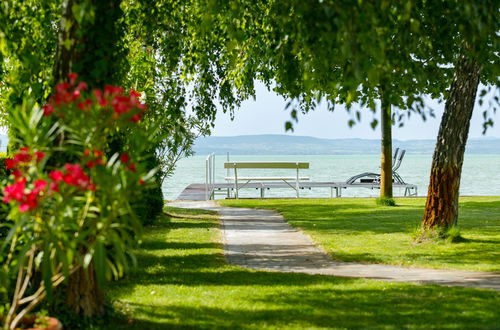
x=183, y=281
x=356, y=229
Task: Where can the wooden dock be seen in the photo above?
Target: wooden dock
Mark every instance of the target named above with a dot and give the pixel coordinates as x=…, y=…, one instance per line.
x=197, y=191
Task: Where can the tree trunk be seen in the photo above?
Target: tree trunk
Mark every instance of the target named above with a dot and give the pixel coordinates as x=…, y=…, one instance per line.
x=386, y=150
x=65, y=44
x=83, y=294
x=441, y=208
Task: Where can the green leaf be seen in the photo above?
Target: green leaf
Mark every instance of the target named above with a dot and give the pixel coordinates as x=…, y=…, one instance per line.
x=100, y=263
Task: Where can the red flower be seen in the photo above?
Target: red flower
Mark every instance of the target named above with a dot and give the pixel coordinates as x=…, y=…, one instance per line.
x=22, y=156
x=75, y=176
x=14, y=191
x=141, y=181
x=39, y=155
x=110, y=90
x=48, y=109
x=134, y=93
x=56, y=176
x=135, y=118
x=17, y=174
x=82, y=86
x=132, y=167
x=29, y=202
x=72, y=77
x=40, y=185
x=121, y=104
x=62, y=88
x=91, y=163
x=124, y=158
x=53, y=187
x=100, y=99
x=10, y=163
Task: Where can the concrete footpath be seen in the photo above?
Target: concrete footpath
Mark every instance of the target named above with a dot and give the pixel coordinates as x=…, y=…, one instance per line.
x=261, y=239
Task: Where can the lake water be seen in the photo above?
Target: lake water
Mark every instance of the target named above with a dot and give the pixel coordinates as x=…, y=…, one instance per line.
x=480, y=175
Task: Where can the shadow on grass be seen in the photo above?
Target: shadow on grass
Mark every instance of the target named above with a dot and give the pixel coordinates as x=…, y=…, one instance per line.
x=305, y=301
x=194, y=288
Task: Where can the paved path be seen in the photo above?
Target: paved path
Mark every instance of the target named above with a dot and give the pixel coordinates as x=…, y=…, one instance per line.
x=261, y=239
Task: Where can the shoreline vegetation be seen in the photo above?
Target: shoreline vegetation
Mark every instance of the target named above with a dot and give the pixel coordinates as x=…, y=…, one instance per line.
x=183, y=281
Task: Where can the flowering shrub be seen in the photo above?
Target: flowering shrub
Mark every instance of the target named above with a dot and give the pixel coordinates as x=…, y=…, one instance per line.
x=67, y=216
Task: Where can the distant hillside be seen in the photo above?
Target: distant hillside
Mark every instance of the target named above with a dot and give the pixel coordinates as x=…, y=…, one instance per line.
x=305, y=145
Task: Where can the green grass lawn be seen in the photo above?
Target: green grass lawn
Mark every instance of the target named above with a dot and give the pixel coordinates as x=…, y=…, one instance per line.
x=356, y=229
x=183, y=281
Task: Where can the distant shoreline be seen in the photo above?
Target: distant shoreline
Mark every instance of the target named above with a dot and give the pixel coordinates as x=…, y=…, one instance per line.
x=303, y=145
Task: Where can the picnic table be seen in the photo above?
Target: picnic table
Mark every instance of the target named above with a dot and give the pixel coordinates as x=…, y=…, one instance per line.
x=241, y=181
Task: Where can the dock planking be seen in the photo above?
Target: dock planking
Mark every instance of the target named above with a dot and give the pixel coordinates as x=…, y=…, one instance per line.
x=193, y=192
x=196, y=191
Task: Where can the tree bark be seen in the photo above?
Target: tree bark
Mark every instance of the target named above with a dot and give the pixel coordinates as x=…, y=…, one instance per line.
x=441, y=208
x=65, y=52
x=386, y=150
x=84, y=296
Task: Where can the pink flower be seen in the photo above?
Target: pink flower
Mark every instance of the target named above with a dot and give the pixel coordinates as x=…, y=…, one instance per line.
x=76, y=94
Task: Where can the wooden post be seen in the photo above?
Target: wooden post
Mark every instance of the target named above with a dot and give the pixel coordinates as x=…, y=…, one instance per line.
x=297, y=181
x=236, y=194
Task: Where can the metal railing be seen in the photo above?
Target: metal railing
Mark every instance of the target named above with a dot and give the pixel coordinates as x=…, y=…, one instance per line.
x=209, y=176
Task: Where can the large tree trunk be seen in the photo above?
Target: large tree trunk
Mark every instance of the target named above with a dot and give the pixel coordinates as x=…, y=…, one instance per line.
x=65, y=52
x=93, y=49
x=386, y=151
x=441, y=208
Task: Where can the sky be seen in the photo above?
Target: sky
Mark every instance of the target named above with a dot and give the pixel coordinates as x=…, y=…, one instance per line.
x=267, y=115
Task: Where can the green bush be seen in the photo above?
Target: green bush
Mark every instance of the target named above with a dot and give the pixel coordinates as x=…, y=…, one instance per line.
x=438, y=235
x=149, y=204
x=385, y=201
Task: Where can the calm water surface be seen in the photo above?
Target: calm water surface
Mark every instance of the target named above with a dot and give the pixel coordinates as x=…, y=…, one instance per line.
x=480, y=176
